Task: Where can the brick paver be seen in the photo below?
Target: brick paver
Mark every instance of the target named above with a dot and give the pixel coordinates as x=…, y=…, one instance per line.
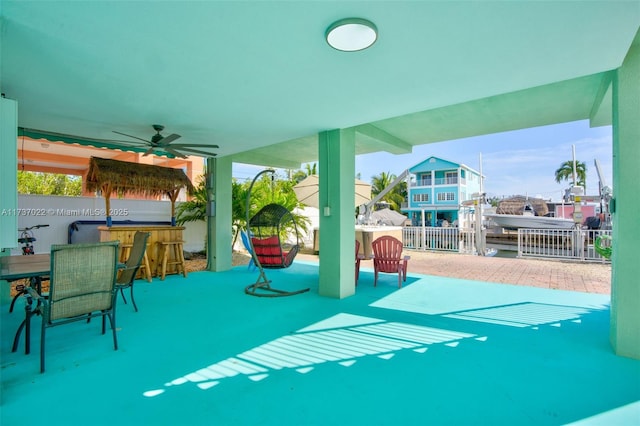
x=551, y=274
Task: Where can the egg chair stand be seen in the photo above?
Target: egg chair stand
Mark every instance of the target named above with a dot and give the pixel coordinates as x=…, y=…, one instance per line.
x=268, y=251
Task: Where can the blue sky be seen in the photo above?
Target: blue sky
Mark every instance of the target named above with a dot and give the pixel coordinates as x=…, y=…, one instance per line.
x=516, y=162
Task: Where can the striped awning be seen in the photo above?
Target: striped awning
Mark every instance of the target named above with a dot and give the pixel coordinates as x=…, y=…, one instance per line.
x=85, y=141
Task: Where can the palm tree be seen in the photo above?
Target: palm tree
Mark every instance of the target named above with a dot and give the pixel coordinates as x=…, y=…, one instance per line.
x=194, y=209
x=396, y=196
x=380, y=182
x=311, y=169
x=300, y=175
x=264, y=192
x=565, y=172
x=238, y=208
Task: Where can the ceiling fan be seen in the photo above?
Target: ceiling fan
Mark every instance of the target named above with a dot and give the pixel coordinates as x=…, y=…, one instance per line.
x=164, y=143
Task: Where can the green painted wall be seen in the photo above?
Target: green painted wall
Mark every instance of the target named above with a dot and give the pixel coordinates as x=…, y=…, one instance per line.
x=625, y=288
x=337, y=213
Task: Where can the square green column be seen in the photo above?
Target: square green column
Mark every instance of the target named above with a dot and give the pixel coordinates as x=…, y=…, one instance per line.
x=337, y=213
x=8, y=177
x=625, y=283
x=219, y=215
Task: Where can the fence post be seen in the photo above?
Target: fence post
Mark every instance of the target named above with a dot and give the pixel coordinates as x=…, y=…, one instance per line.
x=520, y=242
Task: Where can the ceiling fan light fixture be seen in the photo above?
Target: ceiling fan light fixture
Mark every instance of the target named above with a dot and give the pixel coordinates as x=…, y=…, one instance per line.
x=159, y=144
x=351, y=34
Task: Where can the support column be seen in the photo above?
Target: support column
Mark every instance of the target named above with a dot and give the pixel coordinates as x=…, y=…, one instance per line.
x=337, y=213
x=219, y=214
x=625, y=288
x=8, y=177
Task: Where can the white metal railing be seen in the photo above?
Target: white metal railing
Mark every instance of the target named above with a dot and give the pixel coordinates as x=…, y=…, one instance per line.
x=453, y=180
x=438, y=181
x=536, y=243
x=421, y=182
x=446, y=181
x=439, y=239
x=575, y=244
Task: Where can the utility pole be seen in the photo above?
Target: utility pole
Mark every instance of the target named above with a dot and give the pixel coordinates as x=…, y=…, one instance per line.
x=479, y=201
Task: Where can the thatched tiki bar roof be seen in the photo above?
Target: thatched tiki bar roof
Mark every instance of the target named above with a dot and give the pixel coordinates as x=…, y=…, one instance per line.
x=516, y=204
x=122, y=177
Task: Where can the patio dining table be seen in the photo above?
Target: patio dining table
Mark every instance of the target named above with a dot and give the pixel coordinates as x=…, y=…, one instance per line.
x=19, y=267
x=35, y=268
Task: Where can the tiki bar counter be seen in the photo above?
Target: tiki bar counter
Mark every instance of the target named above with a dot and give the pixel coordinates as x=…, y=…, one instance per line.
x=164, y=241
x=164, y=253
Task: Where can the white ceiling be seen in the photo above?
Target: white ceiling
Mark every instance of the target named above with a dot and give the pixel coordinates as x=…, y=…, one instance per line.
x=258, y=79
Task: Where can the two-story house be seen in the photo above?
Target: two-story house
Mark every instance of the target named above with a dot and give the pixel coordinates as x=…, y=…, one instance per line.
x=437, y=190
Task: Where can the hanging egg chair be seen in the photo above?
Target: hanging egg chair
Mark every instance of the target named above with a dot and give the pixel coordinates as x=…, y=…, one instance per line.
x=267, y=229
x=274, y=243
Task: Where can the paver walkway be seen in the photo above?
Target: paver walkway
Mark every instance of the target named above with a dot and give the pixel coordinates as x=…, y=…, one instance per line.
x=552, y=274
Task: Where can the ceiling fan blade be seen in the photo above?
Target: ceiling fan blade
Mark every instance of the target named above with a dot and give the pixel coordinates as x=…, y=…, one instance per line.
x=130, y=136
x=194, y=145
x=174, y=152
x=190, y=151
x=167, y=140
x=149, y=151
x=129, y=144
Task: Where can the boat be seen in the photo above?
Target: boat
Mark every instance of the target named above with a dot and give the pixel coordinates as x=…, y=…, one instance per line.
x=516, y=221
x=524, y=212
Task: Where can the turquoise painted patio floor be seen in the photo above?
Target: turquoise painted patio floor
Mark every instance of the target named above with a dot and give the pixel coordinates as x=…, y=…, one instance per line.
x=439, y=351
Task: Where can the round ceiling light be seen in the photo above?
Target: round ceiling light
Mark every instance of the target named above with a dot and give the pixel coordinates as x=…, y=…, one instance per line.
x=351, y=34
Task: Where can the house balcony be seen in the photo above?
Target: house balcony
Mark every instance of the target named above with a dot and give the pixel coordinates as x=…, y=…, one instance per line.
x=438, y=182
x=422, y=182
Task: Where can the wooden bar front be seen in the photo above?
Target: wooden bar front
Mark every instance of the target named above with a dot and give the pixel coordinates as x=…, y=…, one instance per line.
x=158, y=233
x=366, y=234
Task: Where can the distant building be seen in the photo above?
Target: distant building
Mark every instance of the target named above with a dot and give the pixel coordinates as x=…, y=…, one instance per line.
x=437, y=190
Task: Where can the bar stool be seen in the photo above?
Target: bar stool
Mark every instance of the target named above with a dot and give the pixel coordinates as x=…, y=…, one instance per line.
x=125, y=249
x=164, y=261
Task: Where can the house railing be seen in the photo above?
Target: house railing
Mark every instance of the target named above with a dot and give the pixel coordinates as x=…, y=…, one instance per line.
x=438, y=181
x=421, y=182
x=574, y=244
x=459, y=240
x=446, y=181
